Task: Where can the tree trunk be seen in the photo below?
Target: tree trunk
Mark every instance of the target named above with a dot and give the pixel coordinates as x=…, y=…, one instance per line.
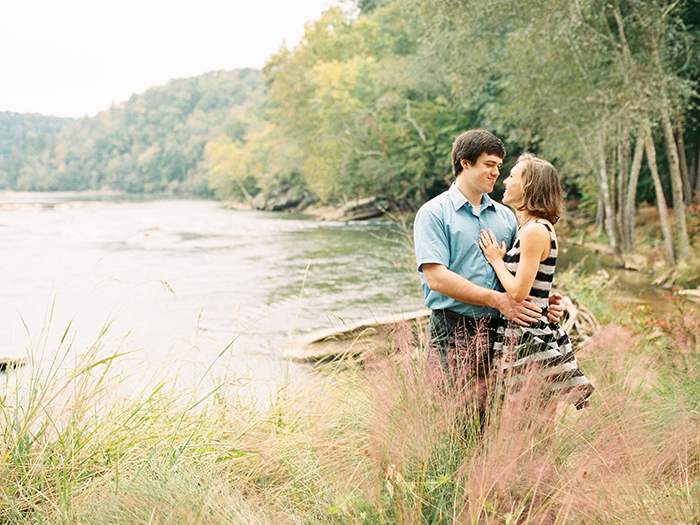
x=683, y=161
x=623, y=154
x=660, y=198
x=247, y=196
x=600, y=215
x=609, y=213
x=695, y=181
x=682, y=241
x=677, y=185
x=630, y=207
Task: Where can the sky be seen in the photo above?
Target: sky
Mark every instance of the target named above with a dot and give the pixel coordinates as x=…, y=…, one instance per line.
x=71, y=58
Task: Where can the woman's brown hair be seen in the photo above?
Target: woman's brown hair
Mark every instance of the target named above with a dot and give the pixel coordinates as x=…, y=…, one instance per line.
x=543, y=196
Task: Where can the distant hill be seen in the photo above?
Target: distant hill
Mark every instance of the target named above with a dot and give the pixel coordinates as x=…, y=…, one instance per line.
x=18, y=128
x=152, y=143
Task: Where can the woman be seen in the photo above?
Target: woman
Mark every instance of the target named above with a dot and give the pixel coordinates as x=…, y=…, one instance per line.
x=533, y=190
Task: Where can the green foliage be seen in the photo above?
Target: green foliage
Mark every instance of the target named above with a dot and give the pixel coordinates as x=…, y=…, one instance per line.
x=372, y=115
x=153, y=143
x=17, y=129
x=30, y=133
x=375, y=101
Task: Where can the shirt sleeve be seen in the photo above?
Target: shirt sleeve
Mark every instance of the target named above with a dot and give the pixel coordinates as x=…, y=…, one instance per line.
x=430, y=238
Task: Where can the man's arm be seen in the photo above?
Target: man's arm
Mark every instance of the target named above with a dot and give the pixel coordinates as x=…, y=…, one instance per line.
x=442, y=280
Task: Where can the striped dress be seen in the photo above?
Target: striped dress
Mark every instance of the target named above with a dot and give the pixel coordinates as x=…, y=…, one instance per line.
x=543, y=347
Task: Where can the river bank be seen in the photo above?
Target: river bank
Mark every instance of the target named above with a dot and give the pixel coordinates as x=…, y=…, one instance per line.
x=648, y=257
x=645, y=268
x=640, y=277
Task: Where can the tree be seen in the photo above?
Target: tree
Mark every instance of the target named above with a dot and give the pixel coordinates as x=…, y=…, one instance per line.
x=572, y=80
x=373, y=115
x=152, y=143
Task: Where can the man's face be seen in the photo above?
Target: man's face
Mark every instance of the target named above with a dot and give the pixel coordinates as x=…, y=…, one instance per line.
x=482, y=175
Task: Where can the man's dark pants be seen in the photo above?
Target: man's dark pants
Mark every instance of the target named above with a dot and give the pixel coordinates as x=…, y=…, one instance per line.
x=460, y=352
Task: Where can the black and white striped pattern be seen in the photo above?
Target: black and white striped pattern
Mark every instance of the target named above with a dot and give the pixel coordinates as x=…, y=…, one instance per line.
x=543, y=347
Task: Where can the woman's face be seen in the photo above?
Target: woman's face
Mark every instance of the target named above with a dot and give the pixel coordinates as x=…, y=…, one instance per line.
x=513, y=195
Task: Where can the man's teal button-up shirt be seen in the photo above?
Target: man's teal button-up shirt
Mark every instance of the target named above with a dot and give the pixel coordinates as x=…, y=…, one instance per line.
x=446, y=231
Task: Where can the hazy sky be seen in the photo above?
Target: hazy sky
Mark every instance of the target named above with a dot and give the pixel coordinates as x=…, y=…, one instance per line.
x=72, y=58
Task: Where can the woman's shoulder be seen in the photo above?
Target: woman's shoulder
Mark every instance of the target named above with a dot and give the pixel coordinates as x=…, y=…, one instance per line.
x=543, y=225
x=537, y=232
x=549, y=227
x=538, y=225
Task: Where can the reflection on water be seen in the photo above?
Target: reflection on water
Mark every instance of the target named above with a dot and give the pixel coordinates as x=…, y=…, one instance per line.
x=182, y=282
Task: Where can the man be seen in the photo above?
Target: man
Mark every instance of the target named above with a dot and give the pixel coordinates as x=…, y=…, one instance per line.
x=460, y=286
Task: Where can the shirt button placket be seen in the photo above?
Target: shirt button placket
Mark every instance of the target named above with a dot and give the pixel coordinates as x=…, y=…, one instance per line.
x=482, y=227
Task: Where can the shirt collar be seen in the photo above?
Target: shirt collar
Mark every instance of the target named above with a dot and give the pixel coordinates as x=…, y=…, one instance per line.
x=459, y=200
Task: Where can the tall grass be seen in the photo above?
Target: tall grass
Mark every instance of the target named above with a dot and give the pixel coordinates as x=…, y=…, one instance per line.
x=375, y=442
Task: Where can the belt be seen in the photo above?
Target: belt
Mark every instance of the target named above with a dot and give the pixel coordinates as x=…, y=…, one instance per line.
x=490, y=321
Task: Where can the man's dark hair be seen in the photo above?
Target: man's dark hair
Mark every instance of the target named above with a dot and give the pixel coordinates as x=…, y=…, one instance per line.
x=471, y=144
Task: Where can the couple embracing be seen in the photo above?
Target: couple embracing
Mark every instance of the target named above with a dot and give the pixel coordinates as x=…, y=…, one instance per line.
x=470, y=248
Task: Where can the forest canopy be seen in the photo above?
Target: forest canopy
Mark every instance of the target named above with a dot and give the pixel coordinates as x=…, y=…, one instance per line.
x=16, y=129
x=152, y=143
x=607, y=90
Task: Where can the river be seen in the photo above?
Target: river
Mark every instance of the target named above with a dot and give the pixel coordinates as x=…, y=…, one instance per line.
x=189, y=286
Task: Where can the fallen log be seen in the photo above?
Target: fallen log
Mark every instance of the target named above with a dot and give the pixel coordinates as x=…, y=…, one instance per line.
x=693, y=295
x=578, y=322
x=11, y=362
x=353, y=338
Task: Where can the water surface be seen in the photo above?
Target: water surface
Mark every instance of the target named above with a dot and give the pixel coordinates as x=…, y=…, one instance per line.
x=186, y=286
x=189, y=283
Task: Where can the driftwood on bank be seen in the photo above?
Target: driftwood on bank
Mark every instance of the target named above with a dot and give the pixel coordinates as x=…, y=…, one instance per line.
x=353, y=338
x=372, y=334
x=693, y=294
x=579, y=322
x=11, y=362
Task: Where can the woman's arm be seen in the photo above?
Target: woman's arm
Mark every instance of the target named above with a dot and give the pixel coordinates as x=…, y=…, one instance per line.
x=535, y=244
x=449, y=283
